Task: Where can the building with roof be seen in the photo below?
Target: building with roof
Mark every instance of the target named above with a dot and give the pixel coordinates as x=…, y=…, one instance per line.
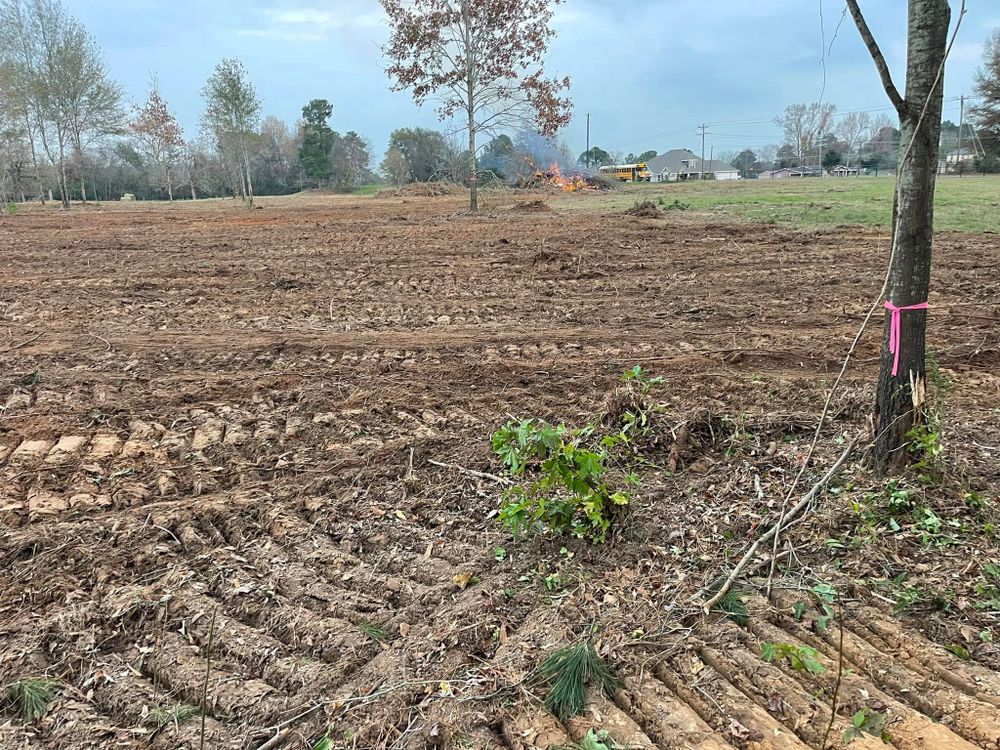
x=959, y=155
x=841, y=171
x=683, y=164
x=786, y=173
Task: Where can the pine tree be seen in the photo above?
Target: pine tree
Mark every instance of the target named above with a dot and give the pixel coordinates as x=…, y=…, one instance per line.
x=317, y=141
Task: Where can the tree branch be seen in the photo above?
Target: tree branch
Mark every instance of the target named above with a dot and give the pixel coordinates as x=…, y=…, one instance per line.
x=883, y=68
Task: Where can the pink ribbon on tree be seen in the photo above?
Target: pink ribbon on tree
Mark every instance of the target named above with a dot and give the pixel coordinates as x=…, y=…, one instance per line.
x=894, y=329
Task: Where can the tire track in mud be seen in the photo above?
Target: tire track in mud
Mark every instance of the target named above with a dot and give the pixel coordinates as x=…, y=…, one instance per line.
x=249, y=462
x=290, y=591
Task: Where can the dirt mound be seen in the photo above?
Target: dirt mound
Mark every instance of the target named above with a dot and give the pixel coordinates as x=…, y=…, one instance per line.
x=423, y=190
x=531, y=207
x=645, y=210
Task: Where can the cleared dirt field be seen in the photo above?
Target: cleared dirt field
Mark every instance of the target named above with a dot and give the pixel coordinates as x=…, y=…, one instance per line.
x=217, y=435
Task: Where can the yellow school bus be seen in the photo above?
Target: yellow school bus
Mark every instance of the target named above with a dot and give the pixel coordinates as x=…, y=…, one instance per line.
x=628, y=172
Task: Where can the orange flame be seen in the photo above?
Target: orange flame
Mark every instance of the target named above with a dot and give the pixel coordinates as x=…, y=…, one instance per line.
x=555, y=177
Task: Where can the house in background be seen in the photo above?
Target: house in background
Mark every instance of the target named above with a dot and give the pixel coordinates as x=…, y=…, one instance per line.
x=957, y=160
x=683, y=164
x=959, y=155
x=787, y=173
x=841, y=171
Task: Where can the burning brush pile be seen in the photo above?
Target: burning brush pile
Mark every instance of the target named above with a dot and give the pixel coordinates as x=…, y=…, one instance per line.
x=553, y=177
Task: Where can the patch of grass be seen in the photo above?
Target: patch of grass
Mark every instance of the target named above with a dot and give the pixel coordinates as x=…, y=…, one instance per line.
x=732, y=604
x=966, y=204
x=371, y=630
x=29, y=379
x=568, y=672
x=30, y=697
x=175, y=715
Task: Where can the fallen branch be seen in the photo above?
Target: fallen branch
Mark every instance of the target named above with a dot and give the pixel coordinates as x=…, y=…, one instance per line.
x=101, y=339
x=23, y=343
x=470, y=472
x=840, y=677
x=791, y=514
x=276, y=741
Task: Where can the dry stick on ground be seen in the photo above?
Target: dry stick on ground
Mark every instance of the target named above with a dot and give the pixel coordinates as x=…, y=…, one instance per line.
x=470, y=472
x=792, y=513
x=23, y=343
x=894, y=243
x=840, y=676
x=208, y=671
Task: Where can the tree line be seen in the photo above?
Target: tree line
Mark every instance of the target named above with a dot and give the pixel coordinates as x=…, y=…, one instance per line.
x=68, y=133
x=66, y=130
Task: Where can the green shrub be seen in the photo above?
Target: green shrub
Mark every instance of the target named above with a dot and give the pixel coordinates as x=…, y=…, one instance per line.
x=563, y=487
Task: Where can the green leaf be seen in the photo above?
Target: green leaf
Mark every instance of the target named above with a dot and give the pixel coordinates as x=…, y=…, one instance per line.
x=825, y=591
x=959, y=650
x=594, y=741
x=799, y=610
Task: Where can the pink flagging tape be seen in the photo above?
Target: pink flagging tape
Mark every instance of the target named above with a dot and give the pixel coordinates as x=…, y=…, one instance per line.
x=894, y=329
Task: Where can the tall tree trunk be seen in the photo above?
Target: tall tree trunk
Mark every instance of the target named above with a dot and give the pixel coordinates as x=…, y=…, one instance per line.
x=63, y=183
x=902, y=375
x=78, y=149
x=473, y=177
x=34, y=157
x=470, y=102
x=246, y=162
x=170, y=184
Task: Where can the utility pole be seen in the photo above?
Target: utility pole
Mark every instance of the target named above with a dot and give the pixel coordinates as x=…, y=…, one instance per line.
x=961, y=126
x=701, y=174
x=588, y=142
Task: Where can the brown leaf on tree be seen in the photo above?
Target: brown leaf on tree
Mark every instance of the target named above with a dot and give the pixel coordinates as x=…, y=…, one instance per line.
x=482, y=59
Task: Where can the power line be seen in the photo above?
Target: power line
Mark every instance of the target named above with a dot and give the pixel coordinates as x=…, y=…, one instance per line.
x=696, y=129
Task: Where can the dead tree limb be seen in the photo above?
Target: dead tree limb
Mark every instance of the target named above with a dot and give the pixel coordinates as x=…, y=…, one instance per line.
x=792, y=513
x=469, y=472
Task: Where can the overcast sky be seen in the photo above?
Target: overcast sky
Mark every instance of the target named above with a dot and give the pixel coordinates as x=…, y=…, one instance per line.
x=648, y=71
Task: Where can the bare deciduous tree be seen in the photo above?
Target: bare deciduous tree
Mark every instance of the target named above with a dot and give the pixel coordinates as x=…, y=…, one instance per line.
x=481, y=58
x=987, y=112
x=805, y=125
x=232, y=116
x=65, y=95
x=88, y=100
x=851, y=128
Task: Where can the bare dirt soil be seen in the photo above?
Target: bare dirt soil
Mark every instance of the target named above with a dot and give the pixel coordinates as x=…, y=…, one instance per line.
x=216, y=445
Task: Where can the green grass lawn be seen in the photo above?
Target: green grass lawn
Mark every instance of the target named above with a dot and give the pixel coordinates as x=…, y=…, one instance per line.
x=966, y=204
x=370, y=189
